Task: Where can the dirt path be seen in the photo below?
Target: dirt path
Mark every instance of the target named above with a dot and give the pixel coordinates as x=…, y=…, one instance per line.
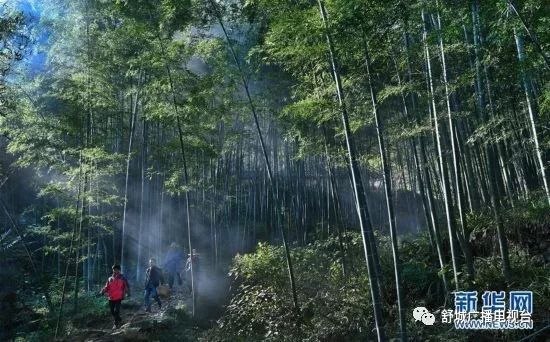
x=137, y=325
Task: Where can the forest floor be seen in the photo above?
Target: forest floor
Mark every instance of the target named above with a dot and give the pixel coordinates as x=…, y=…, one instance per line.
x=139, y=325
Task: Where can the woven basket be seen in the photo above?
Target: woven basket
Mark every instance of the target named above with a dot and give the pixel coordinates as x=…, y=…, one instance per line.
x=163, y=291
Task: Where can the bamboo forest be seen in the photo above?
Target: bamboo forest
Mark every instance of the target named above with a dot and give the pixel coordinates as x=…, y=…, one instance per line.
x=275, y=170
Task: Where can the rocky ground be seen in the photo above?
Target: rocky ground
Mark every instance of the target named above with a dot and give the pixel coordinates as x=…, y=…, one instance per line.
x=139, y=325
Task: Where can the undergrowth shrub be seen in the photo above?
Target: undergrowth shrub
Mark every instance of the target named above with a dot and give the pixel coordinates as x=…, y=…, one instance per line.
x=334, y=307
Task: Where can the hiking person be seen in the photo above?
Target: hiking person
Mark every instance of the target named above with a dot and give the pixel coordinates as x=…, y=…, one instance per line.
x=153, y=279
x=195, y=269
x=115, y=288
x=173, y=261
x=196, y=263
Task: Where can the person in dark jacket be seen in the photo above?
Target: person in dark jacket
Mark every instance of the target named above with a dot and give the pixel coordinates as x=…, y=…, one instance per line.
x=153, y=279
x=173, y=263
x=115, y=288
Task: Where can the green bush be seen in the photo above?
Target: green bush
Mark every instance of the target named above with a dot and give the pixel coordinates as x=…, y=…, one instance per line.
x=338, y=308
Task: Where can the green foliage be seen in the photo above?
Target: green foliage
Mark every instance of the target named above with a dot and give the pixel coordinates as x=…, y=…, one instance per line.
x=161, y=74
x=526, y=229
x=333, y=308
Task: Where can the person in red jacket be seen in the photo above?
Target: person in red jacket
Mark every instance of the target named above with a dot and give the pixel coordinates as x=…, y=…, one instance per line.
x=115, y=288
